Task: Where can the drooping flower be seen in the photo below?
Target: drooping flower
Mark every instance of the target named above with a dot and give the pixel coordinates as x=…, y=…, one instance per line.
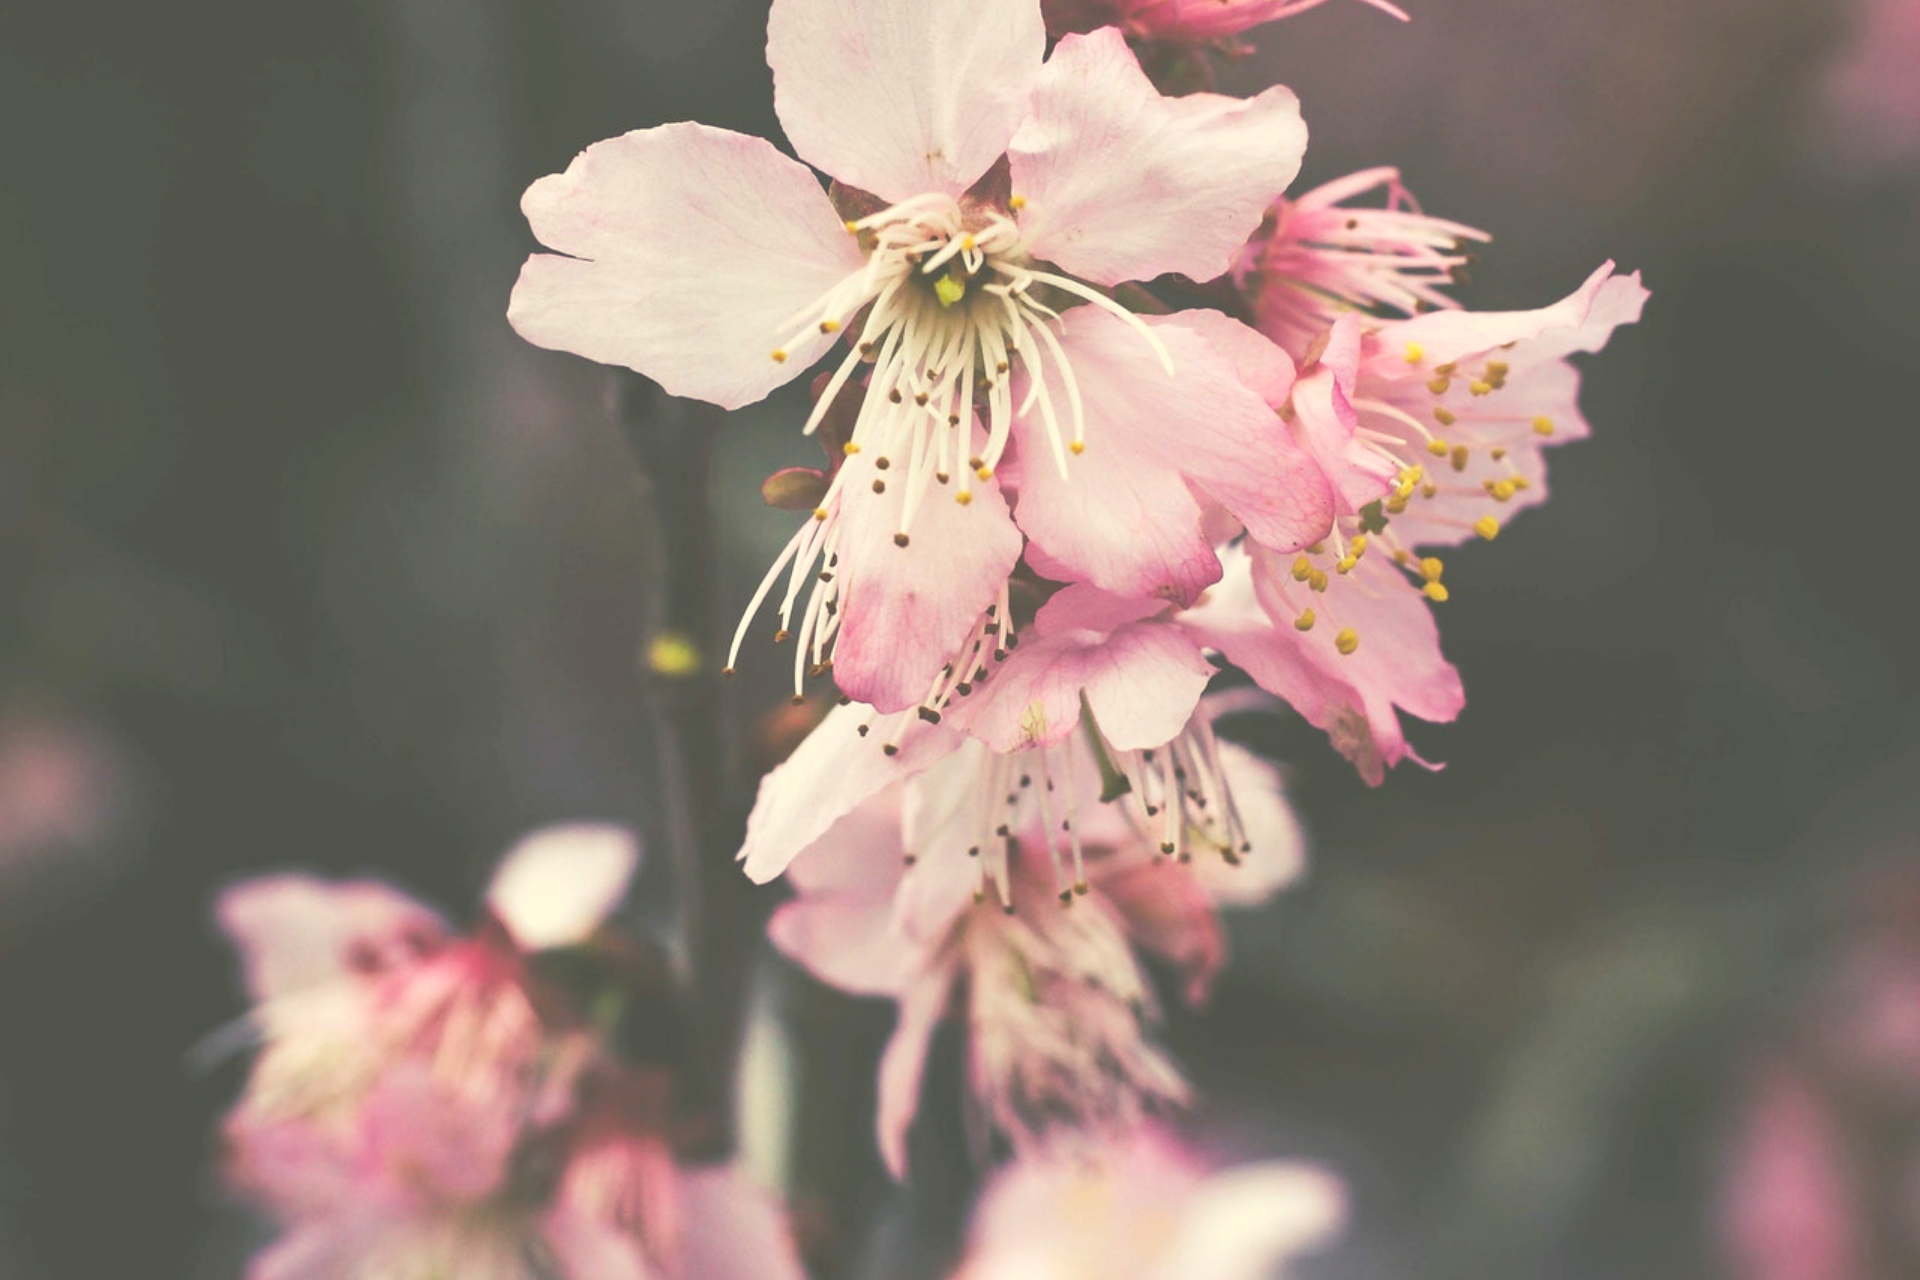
x=1182, y=21
x=433, y=1104
x=1317, y=257
x=984, y=204
x=1004, y=888
x=1147, y=1208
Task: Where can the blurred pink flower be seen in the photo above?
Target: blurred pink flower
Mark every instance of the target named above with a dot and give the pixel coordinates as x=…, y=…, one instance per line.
x=979, y=190
x=1869, y=103
x=1182, y=21
x=1317, y=257
x=1003, y=886
x=1145, y=1209
x=1789, y=1202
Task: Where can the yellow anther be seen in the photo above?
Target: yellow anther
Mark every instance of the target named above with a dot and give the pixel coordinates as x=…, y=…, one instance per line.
x=853, y=228
x=1443, y=415
x=1017, y=203
x=1415, y=353
x=1304, y=622
x=1520, y=482
x=1487, y=527
x=849, y=448
x=1496, y=453
x=1302, y=568
x=829, y=326
x=1431, y=567
x=1317, y=548
x=779, y=355
x=966, y=242
x=963, y=497
x=1345, y=563
x=1413, y=475
x=1500, y=490
x=1446, y=368
x=1479, y=387
x=1439, y=385
x=1496, y=370
x=1078, y=447
x=673, y=654
x=1435, y=591
x=1317, y=580
x=819, y=513
x=949, y=289
x=1347, y=641
x=1459, y=457
x=1429, y=489
x=1543, y=426
x=1400, y=556
x=1438, y=447
x=1358, y=547
x=1397, y=504
x=985, y=473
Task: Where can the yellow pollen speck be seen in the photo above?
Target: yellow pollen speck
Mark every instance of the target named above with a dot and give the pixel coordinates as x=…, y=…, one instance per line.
x=1415, y=353
x=673, y=654
x=985, y=473
x=779, y=355
x=1479, y=388
x=1543, y=426
x=1397, y=503
x=1446, y=368
x=1435, y=591
x=1497, y=453
x=1358, y=547
x=829, y=326
x=1347, y=641
x=1317, y=580
x=1431, y=567
x=1017, y=203
x=1345, y=563
x=853, y=228
x=1443, y=415
x=1078, y=446
x=1316, y=548
x=949, y=290
x=1459, y=457
x=849, y=448
x=1304, y=622
x=1519, y=482
x=1439, y=385
x=967, y=242
x=1302, y=568
x=1500, y=490
x=1496, y=369
x=1400, y=556
x=1437, y=447
x=1487, y=527
x=819, y=513
x=1428, y=489
x=963, y=497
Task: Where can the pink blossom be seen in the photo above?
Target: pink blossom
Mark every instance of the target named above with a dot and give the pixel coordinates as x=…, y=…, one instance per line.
x=1145, y=1208
x=1788, y=1205
x=1003, y=887
x=1182, y=21
x=979, y=190
x=1317, y=257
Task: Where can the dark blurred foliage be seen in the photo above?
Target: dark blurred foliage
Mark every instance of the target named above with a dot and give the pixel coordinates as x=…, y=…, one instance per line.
x=306, y=559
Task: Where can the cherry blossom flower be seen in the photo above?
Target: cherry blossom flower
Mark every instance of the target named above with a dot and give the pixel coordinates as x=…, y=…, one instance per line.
x=984, y=204
x=1001, y=886
x=1182, y=21
x=1317, y=257
x=1148, y=1209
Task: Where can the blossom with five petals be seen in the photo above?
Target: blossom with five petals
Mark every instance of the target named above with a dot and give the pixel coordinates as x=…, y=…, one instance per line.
x=985, y=203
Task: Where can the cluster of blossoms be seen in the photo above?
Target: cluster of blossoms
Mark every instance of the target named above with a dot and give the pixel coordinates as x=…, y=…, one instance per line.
x=426, y=1103
x=1056, y=505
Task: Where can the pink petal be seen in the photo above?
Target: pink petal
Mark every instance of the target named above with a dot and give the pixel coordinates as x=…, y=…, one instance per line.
x=901, y=99
x=1142, y=681
x=939, y=819
x=833, y=771
x=1168, y=913
x=1790, y=1202
x=1125, y=517
x=559, y=884
x=906, y=610
x=1257, y=360
x=1448, y=337
x=1123, y=184
x=690, y=251
x=1278, y=853
x=845, y=941
x=1325, y=423
x=298, y=931
x=903, y=1064
x=736, y=1231
x=1245, y=1223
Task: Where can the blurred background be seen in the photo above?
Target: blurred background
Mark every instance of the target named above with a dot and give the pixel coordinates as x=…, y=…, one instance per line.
x=306, y=559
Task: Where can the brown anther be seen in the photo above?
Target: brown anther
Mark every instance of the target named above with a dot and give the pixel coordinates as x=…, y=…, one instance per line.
x=879, y=486
x=900, y=539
